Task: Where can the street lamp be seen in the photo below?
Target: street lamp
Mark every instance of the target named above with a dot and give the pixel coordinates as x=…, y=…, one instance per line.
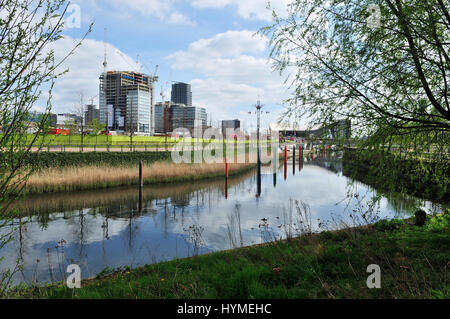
x=258, y=107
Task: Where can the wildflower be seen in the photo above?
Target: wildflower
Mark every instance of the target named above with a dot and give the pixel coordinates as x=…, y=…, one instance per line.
x=276, y=269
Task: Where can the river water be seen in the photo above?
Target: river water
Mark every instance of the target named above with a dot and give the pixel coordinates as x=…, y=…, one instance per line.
x=112, y=228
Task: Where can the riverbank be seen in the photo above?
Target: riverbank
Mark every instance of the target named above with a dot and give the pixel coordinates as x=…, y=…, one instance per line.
x=78, y=178
x=390, y=174
x=414, y=262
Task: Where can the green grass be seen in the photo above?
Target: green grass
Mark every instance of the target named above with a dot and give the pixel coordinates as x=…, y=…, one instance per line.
x=116, y=140
x=414, y=262
x=391, y=174
x=44, y=160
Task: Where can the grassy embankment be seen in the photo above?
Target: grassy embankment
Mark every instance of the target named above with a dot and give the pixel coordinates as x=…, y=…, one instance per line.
x=414, y=262
x=117, y=140
x=61, y=172
x=390, y=173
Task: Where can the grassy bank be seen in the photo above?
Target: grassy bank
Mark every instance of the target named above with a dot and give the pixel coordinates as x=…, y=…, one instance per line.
x=43, y=160
x=390, y=174
x=414, y=262
x=114, y=140
x=76, y=178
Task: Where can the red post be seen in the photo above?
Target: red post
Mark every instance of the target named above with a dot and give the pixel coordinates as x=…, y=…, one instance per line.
x=300, y=156
x=285, y=155
x=226, y=168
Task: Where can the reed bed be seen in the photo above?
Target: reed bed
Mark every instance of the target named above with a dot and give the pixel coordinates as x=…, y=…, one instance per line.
x=76, y=178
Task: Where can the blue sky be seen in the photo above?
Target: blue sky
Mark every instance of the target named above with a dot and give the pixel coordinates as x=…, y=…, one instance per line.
x=207, y=43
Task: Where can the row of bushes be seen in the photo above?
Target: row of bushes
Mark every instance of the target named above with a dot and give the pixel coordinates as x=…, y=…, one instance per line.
x=61, y=159
x=390, y=173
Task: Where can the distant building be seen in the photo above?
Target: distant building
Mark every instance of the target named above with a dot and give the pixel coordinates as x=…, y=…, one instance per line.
x=188, y=117
x=230, y=124
x=181, y=94
x=295, y=130
x=62, y=119
x=127, y=101
x=36, y=117
x=342, y=129
x=92, y=112
x=163, y=117
x=177, y=116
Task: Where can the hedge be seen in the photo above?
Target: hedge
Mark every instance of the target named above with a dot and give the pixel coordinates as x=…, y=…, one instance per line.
x=61, y=159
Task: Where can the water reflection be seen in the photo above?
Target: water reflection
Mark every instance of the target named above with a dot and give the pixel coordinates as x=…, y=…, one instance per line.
x=125, y=226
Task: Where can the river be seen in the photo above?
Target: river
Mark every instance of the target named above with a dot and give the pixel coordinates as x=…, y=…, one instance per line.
x=112, y=228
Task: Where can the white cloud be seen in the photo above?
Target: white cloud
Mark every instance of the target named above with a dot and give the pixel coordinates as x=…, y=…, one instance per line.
x=178, y=18
x=233, y=70
x=85, y=67
x=162, y=9
x=248, y=9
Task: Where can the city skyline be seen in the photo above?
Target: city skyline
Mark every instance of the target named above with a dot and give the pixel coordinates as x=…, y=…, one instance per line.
x=211, y=46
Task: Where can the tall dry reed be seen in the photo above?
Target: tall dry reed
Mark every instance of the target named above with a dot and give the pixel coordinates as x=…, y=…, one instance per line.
x=90, y=177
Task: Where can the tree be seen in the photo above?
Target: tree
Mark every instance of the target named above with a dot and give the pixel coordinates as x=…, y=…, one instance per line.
x=383, y=64
x=27, y=28
x=80, y=113
x=96, y=127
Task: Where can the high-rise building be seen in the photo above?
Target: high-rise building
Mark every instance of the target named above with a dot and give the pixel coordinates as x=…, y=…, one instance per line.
x=163, y=117
x=230, y=124
x=92, y=112
x=127, y=101
x=188, y=117
x=179, y=116
x=181, y=94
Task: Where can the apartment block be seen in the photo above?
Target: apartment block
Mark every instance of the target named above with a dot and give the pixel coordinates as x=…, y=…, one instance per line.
x=181, y=94
x=92, y=112
x=127, y=101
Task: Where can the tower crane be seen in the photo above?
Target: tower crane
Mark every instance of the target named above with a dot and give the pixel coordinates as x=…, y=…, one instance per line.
x=141, y=63
x=92, y=99
x=133, y=67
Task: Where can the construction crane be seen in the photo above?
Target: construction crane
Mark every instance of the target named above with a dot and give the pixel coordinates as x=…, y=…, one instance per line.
x=133, y=67
x=92, y=99
x=164, y=111
x=105, y=64
x=141, y=63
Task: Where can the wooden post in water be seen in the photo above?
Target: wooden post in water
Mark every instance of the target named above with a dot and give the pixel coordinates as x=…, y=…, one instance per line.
x=285, y=162
x=293, y=160
x=226, y=188
x=140, y=200
x=226, y=177
x=141, y=175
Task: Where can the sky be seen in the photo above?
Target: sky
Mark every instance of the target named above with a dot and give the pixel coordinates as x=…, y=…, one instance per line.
x=211, y=44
